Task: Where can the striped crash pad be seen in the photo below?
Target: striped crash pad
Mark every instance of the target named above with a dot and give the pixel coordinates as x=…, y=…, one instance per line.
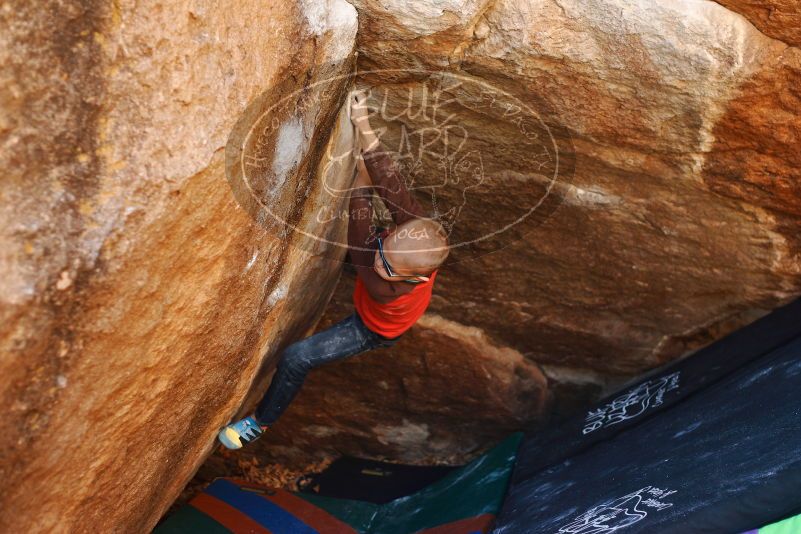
x=463, y=502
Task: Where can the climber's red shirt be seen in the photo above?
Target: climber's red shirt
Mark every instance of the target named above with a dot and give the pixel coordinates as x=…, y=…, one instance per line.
x=396, y=316
x=386, y=308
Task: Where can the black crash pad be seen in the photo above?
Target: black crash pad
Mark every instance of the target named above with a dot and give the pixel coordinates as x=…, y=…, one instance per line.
x=648, y=396
x=372, y=481
x=711, y=444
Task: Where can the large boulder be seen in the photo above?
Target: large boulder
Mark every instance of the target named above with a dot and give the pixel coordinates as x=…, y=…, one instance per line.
x=139, y=300
x=620, y=179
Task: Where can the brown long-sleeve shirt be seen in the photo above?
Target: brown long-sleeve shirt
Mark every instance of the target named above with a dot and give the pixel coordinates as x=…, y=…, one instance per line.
x=390, y=186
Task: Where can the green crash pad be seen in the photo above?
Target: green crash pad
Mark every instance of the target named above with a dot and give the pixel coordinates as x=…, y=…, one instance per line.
x=790, y=525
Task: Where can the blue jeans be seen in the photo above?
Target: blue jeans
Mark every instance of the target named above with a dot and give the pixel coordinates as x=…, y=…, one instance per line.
x=346, y=338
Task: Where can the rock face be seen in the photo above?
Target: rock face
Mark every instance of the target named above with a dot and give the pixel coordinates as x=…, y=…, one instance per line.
x=620, y=179
x=139, y=301
x=673, y=219
x=779, y=19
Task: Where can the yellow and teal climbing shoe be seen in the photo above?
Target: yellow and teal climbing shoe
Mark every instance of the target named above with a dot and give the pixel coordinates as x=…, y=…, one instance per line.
x=235, y=435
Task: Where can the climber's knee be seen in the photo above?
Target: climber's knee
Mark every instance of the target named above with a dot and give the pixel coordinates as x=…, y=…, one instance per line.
x=295, y=362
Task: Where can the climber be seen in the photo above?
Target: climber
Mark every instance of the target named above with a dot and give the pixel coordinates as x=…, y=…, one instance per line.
x=395, y=273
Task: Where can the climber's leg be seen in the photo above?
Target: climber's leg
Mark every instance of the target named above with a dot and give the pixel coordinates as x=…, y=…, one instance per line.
x=346, y=338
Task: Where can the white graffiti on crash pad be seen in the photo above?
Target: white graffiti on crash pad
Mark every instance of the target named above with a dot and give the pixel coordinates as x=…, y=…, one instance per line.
x=619, y=513
x=631, y=404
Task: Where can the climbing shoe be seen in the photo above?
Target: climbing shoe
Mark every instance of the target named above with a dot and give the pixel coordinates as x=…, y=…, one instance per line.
x=235, y=435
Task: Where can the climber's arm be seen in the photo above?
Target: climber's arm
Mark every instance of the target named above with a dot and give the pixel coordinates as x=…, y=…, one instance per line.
x=360, y=219
x=361, y=244
x=389, y=184
x=386, y=177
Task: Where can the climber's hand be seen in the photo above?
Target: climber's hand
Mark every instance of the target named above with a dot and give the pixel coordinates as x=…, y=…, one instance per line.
x=367, y=139
x=359, y=113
